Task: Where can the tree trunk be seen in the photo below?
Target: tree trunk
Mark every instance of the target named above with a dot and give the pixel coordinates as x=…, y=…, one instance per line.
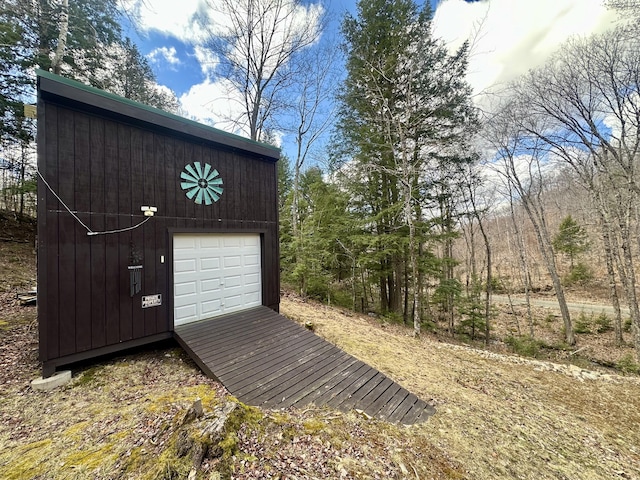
x=549, y=259
x=425, y=309
x=395, y=284
x=489, y=287
x=413, y=252
x=295, y=215
x=630, y=284
x=526, y=276
x=63, y=30
x=471, y=247
x=406, y=289
x=23, y=167
x=384, y=297
x=606, y=232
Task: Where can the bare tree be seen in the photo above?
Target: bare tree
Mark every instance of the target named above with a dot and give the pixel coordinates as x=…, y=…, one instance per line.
x=312, y=112
x=63, y=24
x=585, y=106
x=521, y=158
x=522, y=256
x=255, y=42
x=629, y=9
x=479, y=211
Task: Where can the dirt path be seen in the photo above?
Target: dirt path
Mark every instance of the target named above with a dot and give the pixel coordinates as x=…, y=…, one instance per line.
x=552, y=303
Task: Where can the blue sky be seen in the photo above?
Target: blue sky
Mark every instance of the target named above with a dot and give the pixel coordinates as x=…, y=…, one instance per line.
x=186, y=71
x=508, y=37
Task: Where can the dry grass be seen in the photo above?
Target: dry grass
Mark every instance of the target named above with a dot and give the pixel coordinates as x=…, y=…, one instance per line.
x=594, y=348
x=17, y=252
x=113, y=421
x=499, y=416
x=120, y=419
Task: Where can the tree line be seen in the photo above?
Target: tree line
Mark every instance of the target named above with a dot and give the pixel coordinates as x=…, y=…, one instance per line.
x=415, y=169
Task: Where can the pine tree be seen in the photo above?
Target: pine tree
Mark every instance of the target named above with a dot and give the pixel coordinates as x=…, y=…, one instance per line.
x=405, y=106
x=126, y=72
x=571, y=239
x=313, y=259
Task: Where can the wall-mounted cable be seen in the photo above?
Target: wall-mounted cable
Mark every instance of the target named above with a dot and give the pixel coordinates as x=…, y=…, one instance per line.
x=89, y=231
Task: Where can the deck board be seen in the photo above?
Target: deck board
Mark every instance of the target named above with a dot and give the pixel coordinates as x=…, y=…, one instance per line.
x=267, y=360
x=364, y=377
x=301, y=378
x=362, y=392
x=255, y=347
x=280, y=380
x=252, y=374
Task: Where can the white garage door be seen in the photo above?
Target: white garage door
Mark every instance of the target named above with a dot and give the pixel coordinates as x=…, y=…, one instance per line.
x=215, y=274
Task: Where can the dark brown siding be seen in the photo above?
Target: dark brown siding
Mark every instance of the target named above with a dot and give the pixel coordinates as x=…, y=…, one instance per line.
x=105, y=168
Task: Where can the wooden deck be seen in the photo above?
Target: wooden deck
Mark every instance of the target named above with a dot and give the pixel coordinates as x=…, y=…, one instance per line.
x=267, y=360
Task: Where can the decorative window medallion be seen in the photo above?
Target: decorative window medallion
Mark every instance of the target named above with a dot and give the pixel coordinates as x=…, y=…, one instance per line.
x=201, y=183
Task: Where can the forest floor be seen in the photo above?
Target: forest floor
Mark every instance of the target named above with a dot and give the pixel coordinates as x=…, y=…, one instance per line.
x=498, y=415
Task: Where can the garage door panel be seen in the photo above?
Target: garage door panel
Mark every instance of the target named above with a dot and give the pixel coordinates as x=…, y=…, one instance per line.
x=185, y=288
x=229, y=261
x=187, y=300
x=212, y=285
x=210, y=263
x=185, y=313
x=182, y=243
x=233, y=271
x=253, y=299
x=185, y=266
x=252, y=260
x=209, y=242
x=231, y=281
x=252, y=241
x=256, y=290
x=215, y=274
x=211, y=307
x=232, y=241
x=232, y=301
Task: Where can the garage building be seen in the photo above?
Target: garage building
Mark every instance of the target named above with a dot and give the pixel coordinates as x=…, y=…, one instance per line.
x=146, y=221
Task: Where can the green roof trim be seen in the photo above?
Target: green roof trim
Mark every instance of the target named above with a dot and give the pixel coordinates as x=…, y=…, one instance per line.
x=233, y=139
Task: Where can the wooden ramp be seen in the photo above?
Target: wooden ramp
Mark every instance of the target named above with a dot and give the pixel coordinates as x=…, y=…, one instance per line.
x=267, y=360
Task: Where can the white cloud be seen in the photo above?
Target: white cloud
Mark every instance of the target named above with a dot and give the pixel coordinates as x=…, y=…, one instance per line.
x=168, y=54
x=218, y=104
x=208, y=60
x=509, y=37
x=177, y=19
x=215, y=103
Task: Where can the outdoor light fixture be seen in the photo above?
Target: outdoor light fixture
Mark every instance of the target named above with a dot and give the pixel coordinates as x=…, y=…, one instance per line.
x=148, y=211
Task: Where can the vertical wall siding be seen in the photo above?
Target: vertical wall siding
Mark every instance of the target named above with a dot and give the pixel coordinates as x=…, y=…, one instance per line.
x=98, y=246
x=104, y=171
x=66, y=234
x=82, y=200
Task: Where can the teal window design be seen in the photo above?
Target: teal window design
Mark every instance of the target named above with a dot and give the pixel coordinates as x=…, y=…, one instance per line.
x=201, y=183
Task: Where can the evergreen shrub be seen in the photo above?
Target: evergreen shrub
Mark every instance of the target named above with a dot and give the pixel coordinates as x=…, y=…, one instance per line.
x=583, y=324
x=580, y=274
x=525, y=346
x=627, y=365
x=603, y=323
